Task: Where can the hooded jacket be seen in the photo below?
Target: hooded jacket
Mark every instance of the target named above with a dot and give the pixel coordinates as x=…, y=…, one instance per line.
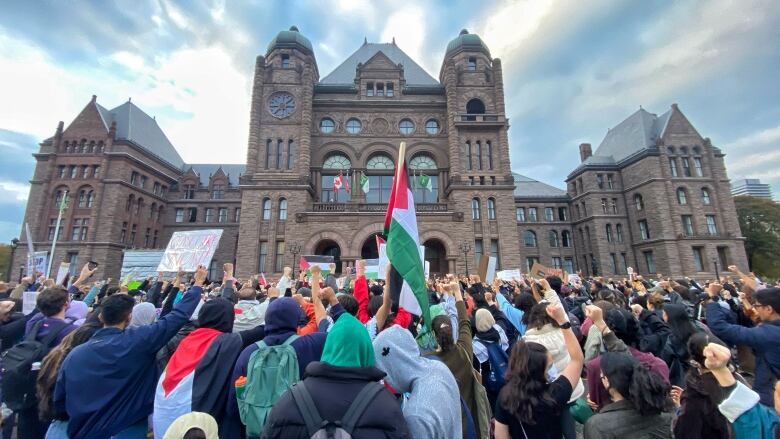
x=433, y=409
x=249, y=314
x=347, y=366
x=281, y=321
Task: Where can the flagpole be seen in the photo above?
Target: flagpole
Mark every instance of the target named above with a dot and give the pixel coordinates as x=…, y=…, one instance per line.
x=56, y=232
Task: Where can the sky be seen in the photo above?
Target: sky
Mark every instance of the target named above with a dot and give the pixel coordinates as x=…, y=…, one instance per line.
x=572, y=69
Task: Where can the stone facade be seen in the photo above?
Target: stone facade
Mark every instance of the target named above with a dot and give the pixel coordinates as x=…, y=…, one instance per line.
x=305, y=131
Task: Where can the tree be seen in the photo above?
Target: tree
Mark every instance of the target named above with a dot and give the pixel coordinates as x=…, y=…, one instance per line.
x=759, y=219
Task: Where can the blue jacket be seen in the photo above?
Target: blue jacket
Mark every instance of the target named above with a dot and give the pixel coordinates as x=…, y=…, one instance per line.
x=764, y=339
x=513, y=314
x=107, y=384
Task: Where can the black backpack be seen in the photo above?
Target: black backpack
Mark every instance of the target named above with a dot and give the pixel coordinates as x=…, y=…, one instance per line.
x=319, y=428
x=19, y=378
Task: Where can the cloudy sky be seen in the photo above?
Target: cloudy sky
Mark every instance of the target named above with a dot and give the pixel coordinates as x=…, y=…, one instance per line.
x=572, y=69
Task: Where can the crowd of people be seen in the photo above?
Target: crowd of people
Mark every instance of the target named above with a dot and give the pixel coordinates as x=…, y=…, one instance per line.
x=183, y=356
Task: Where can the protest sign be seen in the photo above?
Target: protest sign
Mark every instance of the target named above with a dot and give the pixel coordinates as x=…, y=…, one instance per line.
x=29, y=299
x=482, y=268
x=341, y=282
x=427, y=270
x=509, y=274
x=540, y=271
x=62, y=271
x=39, y=260
x=188, y=249
x=309, y=261
x=490, y=273
x=372, y=268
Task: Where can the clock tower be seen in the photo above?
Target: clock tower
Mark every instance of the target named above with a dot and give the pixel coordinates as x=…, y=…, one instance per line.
x=277, y=179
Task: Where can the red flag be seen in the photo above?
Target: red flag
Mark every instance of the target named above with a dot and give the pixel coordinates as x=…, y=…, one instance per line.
x=262, y=280
x=379, y=242
x=337, y=182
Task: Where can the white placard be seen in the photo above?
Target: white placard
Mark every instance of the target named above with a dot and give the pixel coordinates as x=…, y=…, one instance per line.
x=62, y=272
x=188, y=249
x=491, y=270
x=29, y=300
x=509, y=274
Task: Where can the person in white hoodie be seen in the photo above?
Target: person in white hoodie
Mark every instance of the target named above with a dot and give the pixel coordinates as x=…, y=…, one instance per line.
x=250, y=313
x=543, y=330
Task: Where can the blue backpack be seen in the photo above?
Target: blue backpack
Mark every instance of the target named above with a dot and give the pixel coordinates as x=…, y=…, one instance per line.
x=498, y=360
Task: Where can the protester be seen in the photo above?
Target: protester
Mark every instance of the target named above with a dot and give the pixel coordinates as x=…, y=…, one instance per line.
x=107, y=384
x=532, y=402
x=345, y=371
x=143, y=314
x=639, y=400
x=433, y=408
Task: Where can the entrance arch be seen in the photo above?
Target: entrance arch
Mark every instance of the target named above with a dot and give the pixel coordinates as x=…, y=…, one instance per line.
x=436, y=255
x=369, y=249
x=328, y=247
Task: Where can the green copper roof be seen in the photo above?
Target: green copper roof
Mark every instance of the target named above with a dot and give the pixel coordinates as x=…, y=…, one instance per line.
x=469, y=42
x=291, y=38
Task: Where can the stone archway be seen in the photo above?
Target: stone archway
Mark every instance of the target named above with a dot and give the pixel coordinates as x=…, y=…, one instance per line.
x=436, y=256
x=328, y=247
x=369, y=249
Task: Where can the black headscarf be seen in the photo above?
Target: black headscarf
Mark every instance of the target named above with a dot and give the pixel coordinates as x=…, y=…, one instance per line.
x=217, y=314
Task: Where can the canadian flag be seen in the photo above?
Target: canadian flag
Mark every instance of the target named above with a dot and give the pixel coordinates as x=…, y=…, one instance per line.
x=346, y=183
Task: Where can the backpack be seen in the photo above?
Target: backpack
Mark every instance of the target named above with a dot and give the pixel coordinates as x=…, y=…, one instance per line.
x=19, y=376
x=270, y=372
x=498, y=361
x=328, y=429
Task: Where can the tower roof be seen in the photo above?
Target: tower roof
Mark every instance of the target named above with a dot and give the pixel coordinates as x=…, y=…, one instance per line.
x=345, y=72
x=291, y=38
x=467, y=42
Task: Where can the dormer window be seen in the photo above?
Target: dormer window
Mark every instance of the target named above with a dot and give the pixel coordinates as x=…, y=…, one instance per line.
x=285, y=61
x=472, y=64
x=370, y=89
x=380, y=89
x=389, y=89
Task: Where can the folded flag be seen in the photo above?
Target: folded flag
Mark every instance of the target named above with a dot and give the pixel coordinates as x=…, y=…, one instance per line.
x=407, y=280
x=307, y=262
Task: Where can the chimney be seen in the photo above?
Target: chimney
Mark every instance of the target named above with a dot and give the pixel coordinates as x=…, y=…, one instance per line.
x=585, y=151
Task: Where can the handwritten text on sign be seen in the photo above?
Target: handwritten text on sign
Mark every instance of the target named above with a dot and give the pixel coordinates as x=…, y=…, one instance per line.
x=186, y=250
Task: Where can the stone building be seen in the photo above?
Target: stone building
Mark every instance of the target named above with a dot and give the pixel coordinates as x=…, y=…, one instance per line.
x=129, y=188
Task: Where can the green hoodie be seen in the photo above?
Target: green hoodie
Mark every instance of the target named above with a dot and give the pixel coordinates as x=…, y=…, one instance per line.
x=348, y=344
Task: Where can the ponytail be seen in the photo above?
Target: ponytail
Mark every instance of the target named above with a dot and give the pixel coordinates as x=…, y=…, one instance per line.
x=442, y=329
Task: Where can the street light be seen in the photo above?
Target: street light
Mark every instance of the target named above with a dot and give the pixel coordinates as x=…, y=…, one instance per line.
x=717, y=275
x=465, y=247
x=14, y=244
x=295, y=249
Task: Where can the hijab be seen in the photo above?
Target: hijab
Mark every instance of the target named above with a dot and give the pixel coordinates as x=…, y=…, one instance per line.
x=348, y=344
x=217, y=314
x=143, y=314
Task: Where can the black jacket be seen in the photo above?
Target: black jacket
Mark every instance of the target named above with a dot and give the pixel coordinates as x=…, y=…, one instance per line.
x=333, y=389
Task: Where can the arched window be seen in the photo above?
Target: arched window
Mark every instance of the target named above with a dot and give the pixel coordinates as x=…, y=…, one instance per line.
x=152, y=211
x=566, y=238
x=553, y=238
x=380, y=161
x=609, y=232
x=82, y=198
x=354, y=126
x=334, y=165
x=529, y=238
x=58, y=197
x=619, y=232
x=475, y=209
x=491, y=208
x=139, y=206
x=682, y=198
x=425, y=179
x=91, y=148
x=639, y=202
x=406, y=127
x=705, y=196
x=266, y=209
x=475, y=106
x=282, y=209
x=130, y=201
x=100, y=147
x=432, y=127
x=327, y=125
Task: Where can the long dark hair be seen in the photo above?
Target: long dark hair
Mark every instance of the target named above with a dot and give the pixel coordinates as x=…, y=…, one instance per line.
x=526, y=381
x=442, y=329
x=537, y=317
x=679, y=322
x=50, y=366
x=646, y=390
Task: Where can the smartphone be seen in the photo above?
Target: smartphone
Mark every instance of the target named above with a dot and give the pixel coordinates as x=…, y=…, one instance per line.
x=92, y=265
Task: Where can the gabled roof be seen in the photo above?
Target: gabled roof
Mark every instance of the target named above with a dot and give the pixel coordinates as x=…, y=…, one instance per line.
x=637, y=132
x=204, y=170
x=345, y=72
x=138, y=127
x=105, y=115
x=526, y=187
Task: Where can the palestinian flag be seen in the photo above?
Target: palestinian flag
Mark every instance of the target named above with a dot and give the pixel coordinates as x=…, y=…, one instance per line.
x=407, y=280
x=193, y=373
x=306, y=262
x=372, y=268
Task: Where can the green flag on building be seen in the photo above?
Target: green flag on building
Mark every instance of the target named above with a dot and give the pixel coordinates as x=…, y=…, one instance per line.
x=364, y=183
x=426, y=182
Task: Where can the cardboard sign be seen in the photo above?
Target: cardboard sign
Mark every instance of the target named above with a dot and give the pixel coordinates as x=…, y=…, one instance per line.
x=483, y=267
x=509, y=274
x=490, y=274
x=62, y=271
x=540, y=271
x=188, y=249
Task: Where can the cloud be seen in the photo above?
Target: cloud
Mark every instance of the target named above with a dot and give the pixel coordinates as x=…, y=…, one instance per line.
x=408, y=28
x=756, y=155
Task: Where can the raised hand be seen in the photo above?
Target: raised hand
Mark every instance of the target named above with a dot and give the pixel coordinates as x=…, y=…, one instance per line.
x=595, y=313
x=716, y=356
x=713, y=289
x=557, y=313
x=200, y=275
x=316, y=273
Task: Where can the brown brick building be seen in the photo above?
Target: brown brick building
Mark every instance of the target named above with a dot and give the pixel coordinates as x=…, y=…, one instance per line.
x=129, y=188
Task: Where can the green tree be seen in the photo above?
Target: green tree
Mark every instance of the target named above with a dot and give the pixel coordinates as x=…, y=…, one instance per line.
x=759, y=220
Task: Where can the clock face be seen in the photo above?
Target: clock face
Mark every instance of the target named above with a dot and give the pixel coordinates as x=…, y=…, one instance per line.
x=281, y=105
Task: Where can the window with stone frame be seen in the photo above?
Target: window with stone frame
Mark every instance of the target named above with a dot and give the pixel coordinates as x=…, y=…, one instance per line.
x=217, y=191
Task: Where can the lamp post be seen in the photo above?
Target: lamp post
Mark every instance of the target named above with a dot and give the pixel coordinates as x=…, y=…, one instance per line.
x=14, y=244
x=717, y=274
x=465, y=247
x=295, y=249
